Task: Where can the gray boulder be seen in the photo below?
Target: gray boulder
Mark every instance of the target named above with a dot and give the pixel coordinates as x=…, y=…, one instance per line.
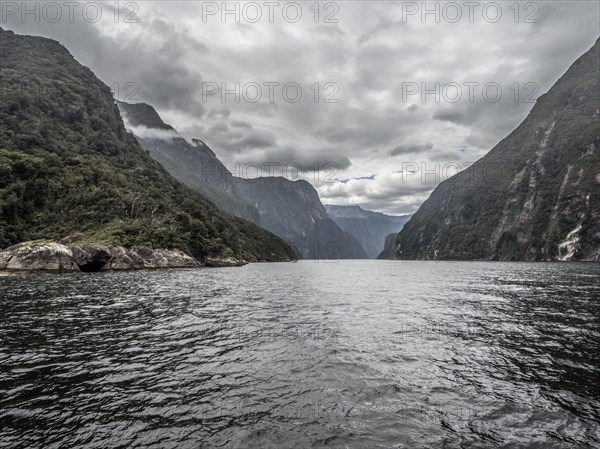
x=147, y=258
x=38, y=256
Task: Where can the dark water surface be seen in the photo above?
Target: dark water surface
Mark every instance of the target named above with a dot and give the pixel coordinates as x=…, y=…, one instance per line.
x=356, y=354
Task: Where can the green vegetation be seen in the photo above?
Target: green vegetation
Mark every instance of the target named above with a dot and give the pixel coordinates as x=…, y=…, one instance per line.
x=68, y=164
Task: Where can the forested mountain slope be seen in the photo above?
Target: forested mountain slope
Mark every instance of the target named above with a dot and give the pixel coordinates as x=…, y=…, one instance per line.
x=67, y=163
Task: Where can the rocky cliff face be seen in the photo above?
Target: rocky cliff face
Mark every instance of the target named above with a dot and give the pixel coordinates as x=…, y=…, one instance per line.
x=369, y=228
x=535, y=196
x=293, y=211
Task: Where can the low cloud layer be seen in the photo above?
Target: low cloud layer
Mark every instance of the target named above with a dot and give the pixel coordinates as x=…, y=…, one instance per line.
x=363, y=85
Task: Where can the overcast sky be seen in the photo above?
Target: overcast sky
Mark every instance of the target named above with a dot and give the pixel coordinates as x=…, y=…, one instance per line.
x=368, y=59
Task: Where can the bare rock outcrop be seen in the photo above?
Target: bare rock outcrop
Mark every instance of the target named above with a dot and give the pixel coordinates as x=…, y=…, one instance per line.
x=146, y=258
x=38, y=256
x=92, y=257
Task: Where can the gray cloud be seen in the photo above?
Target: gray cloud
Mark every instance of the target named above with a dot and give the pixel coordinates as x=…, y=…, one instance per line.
x=243, y=139
x=240, y=124
x=331, y=164
x=456, y=117
x=414, y=148
x=329, y=30
x=217, y=128
x=446, y=156
x=219, y=113
x=382, y=25
x=369, y=54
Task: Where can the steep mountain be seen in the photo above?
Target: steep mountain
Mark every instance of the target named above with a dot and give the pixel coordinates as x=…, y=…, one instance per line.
x=389, y=247
x=534, y=196
x=67, y=163
x=194, y=163
x=369, y=228
x=293, y=211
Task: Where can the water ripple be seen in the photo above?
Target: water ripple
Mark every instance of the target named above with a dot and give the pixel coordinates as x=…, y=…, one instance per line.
x=354, y=354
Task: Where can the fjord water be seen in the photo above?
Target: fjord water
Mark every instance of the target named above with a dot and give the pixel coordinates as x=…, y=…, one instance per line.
x=354, y=354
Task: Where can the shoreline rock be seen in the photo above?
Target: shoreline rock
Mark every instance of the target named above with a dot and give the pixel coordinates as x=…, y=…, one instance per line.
x=217, y=262
x=52, y=257
x=93, y=257
x=38, y=256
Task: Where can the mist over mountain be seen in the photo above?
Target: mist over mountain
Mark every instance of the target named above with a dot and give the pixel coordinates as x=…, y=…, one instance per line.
x=290, y=209
x=194, y=164
x=368, y=227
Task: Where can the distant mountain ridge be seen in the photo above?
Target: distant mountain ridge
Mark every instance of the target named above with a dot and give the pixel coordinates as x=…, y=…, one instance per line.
x=290, y=209
x=534, y=196
x=312, y=231
x=368, y=227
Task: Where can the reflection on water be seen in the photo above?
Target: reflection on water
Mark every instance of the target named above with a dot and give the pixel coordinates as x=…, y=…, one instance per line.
x=356, y=354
